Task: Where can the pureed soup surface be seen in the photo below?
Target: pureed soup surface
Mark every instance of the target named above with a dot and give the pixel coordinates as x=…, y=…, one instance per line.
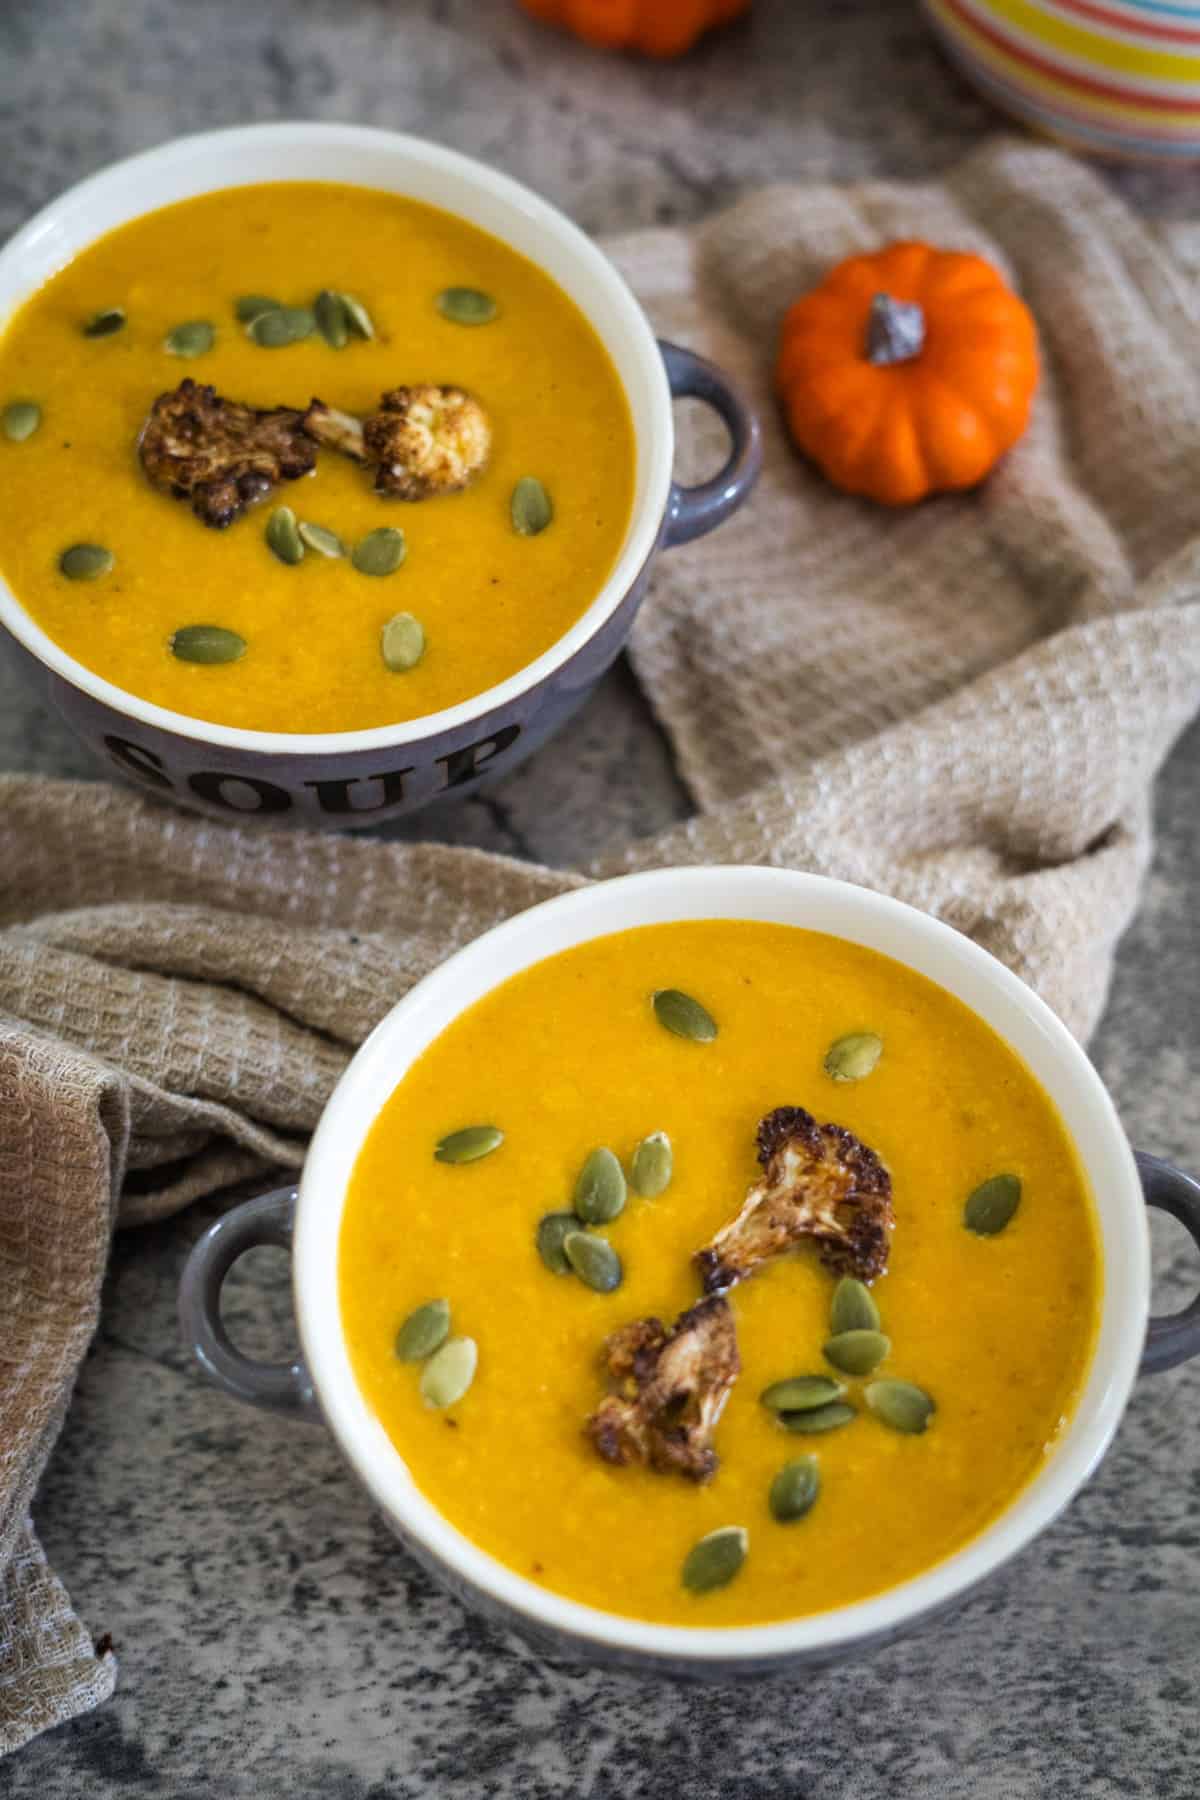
x=489, y=600
x=569, y=1054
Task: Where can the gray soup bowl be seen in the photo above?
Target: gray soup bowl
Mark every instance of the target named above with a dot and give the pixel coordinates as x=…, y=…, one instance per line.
x=343, y=779
x=320, y=1384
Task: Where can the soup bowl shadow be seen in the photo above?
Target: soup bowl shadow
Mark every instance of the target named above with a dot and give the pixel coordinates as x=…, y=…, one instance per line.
x=319, y=1384
x=343, y=780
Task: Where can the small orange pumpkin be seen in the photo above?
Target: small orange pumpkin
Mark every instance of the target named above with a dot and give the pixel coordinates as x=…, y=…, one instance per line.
x=657, y=27
x=908, y=372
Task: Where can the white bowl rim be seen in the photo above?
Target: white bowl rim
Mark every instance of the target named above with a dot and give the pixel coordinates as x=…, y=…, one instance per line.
x=641, y=536
x=722, y=892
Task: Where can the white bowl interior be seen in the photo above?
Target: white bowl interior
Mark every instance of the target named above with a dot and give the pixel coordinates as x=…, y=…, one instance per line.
x=421, y=171
x=863, y=917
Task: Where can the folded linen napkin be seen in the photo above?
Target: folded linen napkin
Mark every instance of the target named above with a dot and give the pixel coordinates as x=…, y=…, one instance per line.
x=964, y=705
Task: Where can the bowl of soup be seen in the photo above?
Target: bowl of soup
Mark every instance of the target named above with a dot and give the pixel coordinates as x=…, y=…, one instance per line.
x=713, y=1269
x=334, y=467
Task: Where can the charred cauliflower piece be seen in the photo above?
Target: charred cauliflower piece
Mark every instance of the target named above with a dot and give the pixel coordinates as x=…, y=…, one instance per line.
x=423, y=441
x=818, y=1182
x=672, y=1388
x=220, y=455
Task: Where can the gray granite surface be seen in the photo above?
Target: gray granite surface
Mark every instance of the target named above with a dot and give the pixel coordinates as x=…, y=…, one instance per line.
x=273, y=1640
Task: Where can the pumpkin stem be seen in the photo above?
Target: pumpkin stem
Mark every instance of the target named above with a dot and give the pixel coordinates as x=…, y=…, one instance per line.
x=895, y=330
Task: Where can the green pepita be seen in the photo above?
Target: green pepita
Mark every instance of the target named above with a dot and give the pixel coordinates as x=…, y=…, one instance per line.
x=329, y=311
x=283, y=536
x=900, y=1404
x=856, y=1352
x=321, y=539
x=85, y=562
x=594, y=1261
x=249, y=307
x=802, y=1393
x=207, y=644
x=853, y=1307
x=794, y=1490
x=853, y=1058
x=551, y=1233
x=992, y=1205
x=282, y=326
x=652, y=1165
x=819, y=1420
x=716, y=1559
x=684, y=1016
x=20, y=420
x=192, y=338
x=357, y=316
x=531, y=507
x=104, y=323
x=449, y=1372
x=402, y=642
x=469, y=1144
x=600, y=1188
x=381, y=552
x=466, y=306
x=423, y=1331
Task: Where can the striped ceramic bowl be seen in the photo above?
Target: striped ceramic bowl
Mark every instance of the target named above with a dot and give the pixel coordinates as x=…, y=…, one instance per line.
x=1119, y=78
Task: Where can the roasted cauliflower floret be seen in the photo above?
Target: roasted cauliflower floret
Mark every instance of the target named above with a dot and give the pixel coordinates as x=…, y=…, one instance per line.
x=220, y=455
x=671, y=1389
x=424, y=440
x=820, y=1183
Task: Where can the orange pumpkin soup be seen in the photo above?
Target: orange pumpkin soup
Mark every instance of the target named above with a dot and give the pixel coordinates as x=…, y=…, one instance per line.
x=990, y=1328
x=370, y=295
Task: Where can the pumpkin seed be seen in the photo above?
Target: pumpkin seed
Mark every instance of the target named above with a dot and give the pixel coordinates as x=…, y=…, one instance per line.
x=249, y=307
x=84, y=562
x=469, y=1144
x=357, y=316
x=321, y=539
x=423, y=1331
x=853, y=1058
x=856, y=1352
x=207, y=644
x=281, y=326
x=652, y=1165
x=794, y=1490
x=684, y=1016
x=820, y=1419
x=992, y=1205
x=103, y=324
x=20, y=420
x=449, y=1372
x=381, y=552
x=594, y=1261
x=600, y=1188
x=551, y=1231
x=802, y=1393
x=192, y=338
x=716, y=1559
x=283, y=536
x=402, y=642
x=531, y=507
x=900, y=1404
x=853, y=1308
x=329, y=311
x=466, y=306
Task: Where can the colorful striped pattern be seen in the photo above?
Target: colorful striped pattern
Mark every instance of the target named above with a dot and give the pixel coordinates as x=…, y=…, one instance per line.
x=1117, y=77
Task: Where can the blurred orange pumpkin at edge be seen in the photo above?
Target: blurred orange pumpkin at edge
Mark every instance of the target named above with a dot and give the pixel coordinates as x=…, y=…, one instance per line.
x=908, y=371
x=655, y=27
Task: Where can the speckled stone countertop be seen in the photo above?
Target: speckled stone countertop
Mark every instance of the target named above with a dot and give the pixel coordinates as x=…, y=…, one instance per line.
x=273, y=1639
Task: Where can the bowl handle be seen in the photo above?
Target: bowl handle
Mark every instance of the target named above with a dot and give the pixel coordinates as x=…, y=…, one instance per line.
x=694, y=511
x=280, y=1387
x=1175, y=1338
